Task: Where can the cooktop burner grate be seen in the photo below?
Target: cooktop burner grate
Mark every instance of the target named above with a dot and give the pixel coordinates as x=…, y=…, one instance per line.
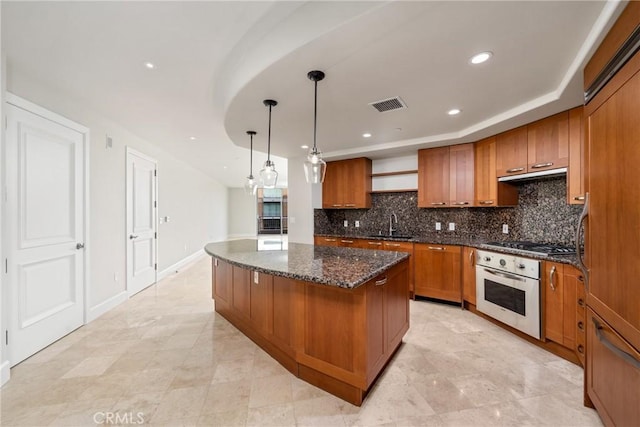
x=538, y=248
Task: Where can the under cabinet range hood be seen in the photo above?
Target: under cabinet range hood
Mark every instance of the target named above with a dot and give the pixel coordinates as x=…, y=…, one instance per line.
x=550, y=173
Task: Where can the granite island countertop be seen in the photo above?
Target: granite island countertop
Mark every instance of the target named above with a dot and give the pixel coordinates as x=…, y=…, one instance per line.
x=456, y=240
x=335, y=266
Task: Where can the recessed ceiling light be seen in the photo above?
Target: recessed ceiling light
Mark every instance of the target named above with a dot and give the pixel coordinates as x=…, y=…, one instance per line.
x=454, y=111
x=224, y=167
x=481, y=57
x=366, y=135
x=192, y=138
x=149, y=65
x=304, y=147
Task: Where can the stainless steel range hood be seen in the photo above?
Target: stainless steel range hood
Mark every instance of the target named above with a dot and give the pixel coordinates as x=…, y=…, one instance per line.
x=534, y=175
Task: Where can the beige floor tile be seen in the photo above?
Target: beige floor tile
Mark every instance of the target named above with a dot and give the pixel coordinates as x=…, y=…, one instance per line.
x=235, y=418
x=269, y=391
x=549, y=410
x=223, y=397
x=232, y=370
x=180, y=404
x=277, y=416
x=91, y=366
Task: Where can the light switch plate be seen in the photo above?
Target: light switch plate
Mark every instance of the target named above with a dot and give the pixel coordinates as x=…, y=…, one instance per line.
x=346, y=223
x=256, y=277
x=357, y=224
x=505, y=228
x=438, y=226
x=452, y=226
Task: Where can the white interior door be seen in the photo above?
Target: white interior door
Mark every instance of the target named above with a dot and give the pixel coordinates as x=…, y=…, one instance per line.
x=45, y=218
x=141, y=221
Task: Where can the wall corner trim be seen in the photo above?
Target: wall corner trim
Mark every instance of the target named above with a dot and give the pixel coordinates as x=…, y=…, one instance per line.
x=100, y=309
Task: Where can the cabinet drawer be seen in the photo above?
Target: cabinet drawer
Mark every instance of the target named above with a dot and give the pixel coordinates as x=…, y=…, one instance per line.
x=612, y=373
x=398, y=246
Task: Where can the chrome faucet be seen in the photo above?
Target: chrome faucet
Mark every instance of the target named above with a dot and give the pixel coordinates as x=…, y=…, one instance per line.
x=392, y=217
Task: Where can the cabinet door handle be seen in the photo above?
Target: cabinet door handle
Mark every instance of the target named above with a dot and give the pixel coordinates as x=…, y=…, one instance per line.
x=514, y=170
x=346, y=241
x=381, y=281
x=374, y=243
x=330, y=240
x=436, y=248
x=336, y=206
x=542, y=165
x=578, y=198
x=349, y=205
x=460, y=203
x=579, y=228
x=438, y=204
x=551, y=274
x=615, y=350
x=395, y=245
x=471, y=258
x=133, y=236
x=486, y=202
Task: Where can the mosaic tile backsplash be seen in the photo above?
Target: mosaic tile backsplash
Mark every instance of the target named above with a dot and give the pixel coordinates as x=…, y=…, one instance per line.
x=542, y=215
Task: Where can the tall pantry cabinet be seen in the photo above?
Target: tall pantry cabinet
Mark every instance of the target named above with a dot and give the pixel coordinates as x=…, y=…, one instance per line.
x=612, y=227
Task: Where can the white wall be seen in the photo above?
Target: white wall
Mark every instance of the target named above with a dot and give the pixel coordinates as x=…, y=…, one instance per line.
x=302, y=199
x=242, y=214
x=4, y=362
x=196, y=204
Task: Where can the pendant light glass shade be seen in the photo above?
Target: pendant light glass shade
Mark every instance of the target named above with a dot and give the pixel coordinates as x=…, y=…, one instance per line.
x=268, y=173
x=251, y=184
x=314, y=166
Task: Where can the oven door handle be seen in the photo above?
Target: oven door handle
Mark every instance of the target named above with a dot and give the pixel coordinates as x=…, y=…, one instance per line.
x=505, y=275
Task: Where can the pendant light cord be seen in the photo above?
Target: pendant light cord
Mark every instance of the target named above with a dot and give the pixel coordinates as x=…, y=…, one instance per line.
x=251, y=158
x=315, y=115
x=269, y=137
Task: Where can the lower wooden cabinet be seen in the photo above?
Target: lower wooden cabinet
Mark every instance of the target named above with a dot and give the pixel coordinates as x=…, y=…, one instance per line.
x=326, y=241
x=612, y=374
x=438, y=271
x=469, y=274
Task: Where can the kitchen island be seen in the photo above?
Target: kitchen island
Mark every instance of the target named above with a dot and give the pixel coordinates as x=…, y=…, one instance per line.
x=332, y=316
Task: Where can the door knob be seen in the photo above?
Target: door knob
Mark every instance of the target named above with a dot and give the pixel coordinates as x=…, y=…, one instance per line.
x=79, y=245
x=133, y=236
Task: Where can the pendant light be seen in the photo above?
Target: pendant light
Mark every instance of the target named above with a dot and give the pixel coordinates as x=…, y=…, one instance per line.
x=268, y=174
x=251, y=184
x=314, y=166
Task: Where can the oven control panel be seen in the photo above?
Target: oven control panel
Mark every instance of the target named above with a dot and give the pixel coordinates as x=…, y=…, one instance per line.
x=509, y=263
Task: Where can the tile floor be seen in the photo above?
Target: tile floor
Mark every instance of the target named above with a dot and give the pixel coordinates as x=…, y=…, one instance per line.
x=165, y=358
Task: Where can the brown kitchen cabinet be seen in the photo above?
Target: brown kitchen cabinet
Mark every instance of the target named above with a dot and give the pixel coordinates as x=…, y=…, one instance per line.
x=488, y=191
x=469, y=275
x=446, y=176
x=222, y=277
x=511, y=152
x=326, y=241
x=347, y=184
x=438, y=271
x=576, y=186
x=560, y=283
x=548, y=143
x=406, y=247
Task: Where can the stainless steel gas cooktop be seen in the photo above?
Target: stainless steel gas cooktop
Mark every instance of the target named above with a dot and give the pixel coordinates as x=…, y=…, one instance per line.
x=541, y=249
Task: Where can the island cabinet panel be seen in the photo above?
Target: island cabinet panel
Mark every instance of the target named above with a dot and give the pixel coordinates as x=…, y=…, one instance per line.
x=262, y=301
x=284, y=311
x=511, y=152
x=548, y=143
x=395, y=308
x=241, y=295
x=222, y=281
x=406, y=247
x=438, y=271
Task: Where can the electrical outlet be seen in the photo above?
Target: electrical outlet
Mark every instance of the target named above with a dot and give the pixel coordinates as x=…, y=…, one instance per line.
x=438, y=226
x=256, y=277
x=357, y=224
x=346, y=223
x=452, y=226
x=505, y=228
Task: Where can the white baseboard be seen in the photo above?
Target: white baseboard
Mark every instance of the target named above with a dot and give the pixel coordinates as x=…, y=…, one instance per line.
x=4, y=372
x=241, y=236
x=100, y=309
x=178, y=265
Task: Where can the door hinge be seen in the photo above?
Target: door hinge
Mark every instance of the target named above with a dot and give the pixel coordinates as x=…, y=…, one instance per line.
x=155, y=204
x=6, y=125
x=6, y=266
x=155, y=172
x=155, y=266
x=155, y=235
x=6, y=337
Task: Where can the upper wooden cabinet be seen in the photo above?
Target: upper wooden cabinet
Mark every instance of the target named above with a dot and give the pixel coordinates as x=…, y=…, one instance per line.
x=488, y=191
x=576, y=187
x=347, y=184
x=445, y=176
x=548, y=143
x=511, y=152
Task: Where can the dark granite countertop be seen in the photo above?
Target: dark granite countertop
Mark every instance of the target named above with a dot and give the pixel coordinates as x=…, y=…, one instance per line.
x=475, y=242
x=335, y=266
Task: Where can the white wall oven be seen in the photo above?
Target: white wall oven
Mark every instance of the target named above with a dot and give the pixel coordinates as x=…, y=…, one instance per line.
x=508, y=289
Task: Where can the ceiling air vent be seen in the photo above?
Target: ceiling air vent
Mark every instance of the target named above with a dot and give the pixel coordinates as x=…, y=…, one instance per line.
x=390, y=104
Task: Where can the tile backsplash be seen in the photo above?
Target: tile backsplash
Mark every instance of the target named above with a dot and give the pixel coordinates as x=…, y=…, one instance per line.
x=542, y=215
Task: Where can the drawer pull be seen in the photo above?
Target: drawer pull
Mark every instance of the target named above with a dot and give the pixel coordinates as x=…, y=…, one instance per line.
x=395, y=245
x=514, y=170
x=336, y=206
x=381, y=281
x=460, y=203
x=542, y=165
x=436, y=248
x=580, y=349
x=330, y=240
x=579, y=198
x=438, y=204
x=581, y=325
x=486, y=202
x=580, y=302
x=551, y=274
x=374, y=243
x=346, y=241
x=471, y=258
x=349, y=205
x=615, y=350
